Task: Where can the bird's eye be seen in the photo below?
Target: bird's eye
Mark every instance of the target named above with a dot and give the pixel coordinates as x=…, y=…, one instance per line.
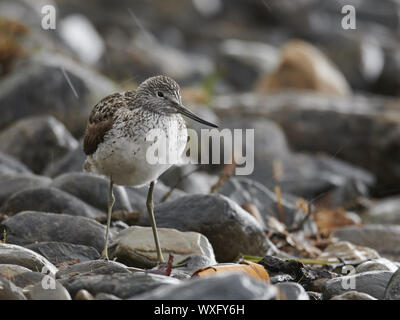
x=160, y=94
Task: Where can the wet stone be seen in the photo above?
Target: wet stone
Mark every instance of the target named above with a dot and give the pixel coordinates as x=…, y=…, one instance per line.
x=353, y=295
x=244, y=190
x=137, y=196
x=53, y=292
x=392, y=291
x=92, y=267
x=11, y=184
x=71, y=162
x=122, y=285
x=10, y=166
x=14, y=254
x=373, y=283
x=27, y=278
x=92, y=189
x=106, y=296
x=189, y=179
x=385, y=211
x=230, y=229
x=59, y=252
x=347, y=251
x=31, y=226
x=377, y=264
x=233, y=286
x=358, y=121
x=46, y=90
x=48, y=200
x=192, y=264
x=83, y=295
x=382, y=238
x=11, y=270
x=135, y=246
x=8, y=291
x=49, y=136
x=314, y=295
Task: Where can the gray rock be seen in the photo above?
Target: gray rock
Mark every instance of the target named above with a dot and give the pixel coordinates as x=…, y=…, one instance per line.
x=392, y=291
x=166, y=59
x=384, y=211
x=306, y=119
x=244, y=190
x=301, y=174
x=291, y=291
x=27, y=278
x=122, y=285
x=314, y=295
x=244, y=61
x=183, y=178
x=372, y=282
x=376, y=264
x=40, y=86
x=31, y=226
x=9, y=165
x=382, y=238
x=135, y=246
x=233, y=286
x=192, y=264
x=71, y=162
x=92, y=189
x=83, y=295
x=137, y=196
x=92, y=267
x=49, y=136
x=348, y=251
x=8, y=291
x=229, y=228
x=269, y=145
x=106, y=296
x=11, y=270
x=13, y=254
x=11, y=184
x=49, y=200
x=37, y=292
x=59, y=252
x=353, y=295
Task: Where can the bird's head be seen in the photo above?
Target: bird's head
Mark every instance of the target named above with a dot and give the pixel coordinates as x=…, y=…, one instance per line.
x=161, y=94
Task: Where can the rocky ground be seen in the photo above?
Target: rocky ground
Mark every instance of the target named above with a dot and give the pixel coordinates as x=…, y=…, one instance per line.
x=319, y=218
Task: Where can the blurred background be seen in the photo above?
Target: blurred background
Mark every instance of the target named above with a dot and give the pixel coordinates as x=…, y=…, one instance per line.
x=323, y=99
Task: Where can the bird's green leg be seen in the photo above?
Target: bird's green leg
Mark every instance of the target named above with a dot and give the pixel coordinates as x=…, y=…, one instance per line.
x=110, y=204
x=150, y=210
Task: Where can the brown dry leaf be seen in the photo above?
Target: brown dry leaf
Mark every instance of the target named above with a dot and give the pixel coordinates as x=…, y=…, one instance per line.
x=10, y=49
x=328, y=220
x=254, y=270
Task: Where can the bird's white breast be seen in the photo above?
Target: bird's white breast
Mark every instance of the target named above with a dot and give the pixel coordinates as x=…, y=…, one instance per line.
x=124, y=154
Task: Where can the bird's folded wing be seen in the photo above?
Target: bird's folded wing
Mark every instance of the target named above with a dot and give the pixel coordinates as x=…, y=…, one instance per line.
x=101, y=119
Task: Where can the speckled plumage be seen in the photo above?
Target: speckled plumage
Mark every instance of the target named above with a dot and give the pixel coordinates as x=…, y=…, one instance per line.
x=115, y=137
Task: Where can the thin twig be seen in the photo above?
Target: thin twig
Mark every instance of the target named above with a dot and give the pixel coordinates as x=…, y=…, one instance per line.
x=278, y=194
x=225, y=175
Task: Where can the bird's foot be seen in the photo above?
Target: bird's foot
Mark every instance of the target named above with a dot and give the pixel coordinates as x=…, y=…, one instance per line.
x=104, y=255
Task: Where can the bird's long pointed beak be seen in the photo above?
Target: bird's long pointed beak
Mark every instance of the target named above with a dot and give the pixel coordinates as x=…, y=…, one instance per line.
x=186, y=112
